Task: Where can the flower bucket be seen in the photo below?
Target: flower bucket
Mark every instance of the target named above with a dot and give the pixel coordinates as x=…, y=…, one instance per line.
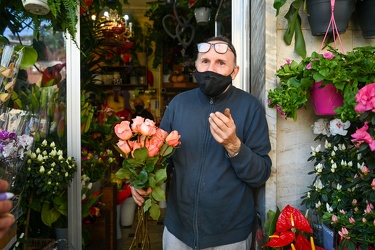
x=319, y=15
x=325, y=100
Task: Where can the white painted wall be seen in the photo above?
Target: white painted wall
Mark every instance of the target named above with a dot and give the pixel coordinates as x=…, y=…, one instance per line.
x=292, y=141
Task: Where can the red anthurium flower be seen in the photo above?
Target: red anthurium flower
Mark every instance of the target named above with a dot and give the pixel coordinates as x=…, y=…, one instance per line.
x=292, y=218
x=304, y=244
x=280, y=239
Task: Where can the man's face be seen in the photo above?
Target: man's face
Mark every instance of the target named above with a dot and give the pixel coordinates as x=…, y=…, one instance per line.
x=219, y=63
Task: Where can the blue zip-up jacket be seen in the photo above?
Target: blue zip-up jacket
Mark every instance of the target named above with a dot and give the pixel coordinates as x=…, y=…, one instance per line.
x=210, y=202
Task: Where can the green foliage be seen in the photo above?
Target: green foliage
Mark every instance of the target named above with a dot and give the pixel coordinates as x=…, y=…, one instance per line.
x=347, y=72
x=294, y=24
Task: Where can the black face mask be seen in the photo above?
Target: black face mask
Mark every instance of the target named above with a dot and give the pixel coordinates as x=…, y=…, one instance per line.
x=211, y=83
x=138, y=108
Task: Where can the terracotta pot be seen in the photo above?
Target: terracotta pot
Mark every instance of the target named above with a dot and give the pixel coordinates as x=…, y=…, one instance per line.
x=325, y=100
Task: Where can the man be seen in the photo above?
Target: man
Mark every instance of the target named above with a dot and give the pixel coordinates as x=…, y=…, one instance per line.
x=6, y=218
x=223, y=155
x=140, y=110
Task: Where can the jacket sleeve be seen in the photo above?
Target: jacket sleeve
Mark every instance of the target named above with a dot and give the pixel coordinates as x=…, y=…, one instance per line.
x=253, y=164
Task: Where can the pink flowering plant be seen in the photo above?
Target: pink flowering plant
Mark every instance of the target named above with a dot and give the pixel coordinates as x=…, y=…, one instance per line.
x=145, y=149
x=343, y=190
x=347, y=72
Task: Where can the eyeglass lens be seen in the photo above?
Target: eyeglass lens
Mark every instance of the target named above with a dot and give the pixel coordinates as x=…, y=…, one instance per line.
x=220, y=48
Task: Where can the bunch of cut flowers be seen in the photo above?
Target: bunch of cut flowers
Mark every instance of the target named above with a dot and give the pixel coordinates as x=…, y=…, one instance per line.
x=145, y=149
x=343, y=190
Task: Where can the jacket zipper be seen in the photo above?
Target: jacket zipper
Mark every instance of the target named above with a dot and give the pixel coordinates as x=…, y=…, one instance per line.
x=196, y=228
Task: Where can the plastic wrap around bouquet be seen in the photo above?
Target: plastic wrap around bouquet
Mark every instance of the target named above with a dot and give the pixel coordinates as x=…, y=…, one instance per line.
x=17, y=131
x=10, y=60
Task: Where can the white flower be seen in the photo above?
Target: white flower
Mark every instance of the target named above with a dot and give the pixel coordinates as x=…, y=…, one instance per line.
x=83, y=196
x=44, y=142
x=327, y=145
x=41, y=169
x=66, y=174
x=338, y=186
x=350, y=164
x=45, y=153
x=319, y=168
x=40, y=158
x=321, y=127
x=53, y=152
x=60, y=152
x=337, y=127
x=318, y=185
x=89, y=186
x=329, y=208
x=333, y=167
x=53, y=144
x=53, y=164
x=343, y=163
x=37, y=151
x=317, y=205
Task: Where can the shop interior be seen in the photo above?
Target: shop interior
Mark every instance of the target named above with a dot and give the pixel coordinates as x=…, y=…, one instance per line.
x=129, y=50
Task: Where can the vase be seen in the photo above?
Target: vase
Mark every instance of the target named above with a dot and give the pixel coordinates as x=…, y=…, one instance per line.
x=127, y=212
x=326, y=99
x=365, y=11
x=319, y=15
x=202, y=15
x=37, y=7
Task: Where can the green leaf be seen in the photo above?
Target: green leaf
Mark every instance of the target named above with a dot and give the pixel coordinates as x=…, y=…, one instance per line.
x=155, y=211
x=161, y=176
x=30, y=56
x=48, y=215
x=158, y=193
x=147, y=205
x=123, y=174
x=143, y=176
x=141, y=154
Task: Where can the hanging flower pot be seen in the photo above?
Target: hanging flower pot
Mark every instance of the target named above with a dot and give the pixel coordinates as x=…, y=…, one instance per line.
x=319, y=15
x=37, y=7
x=202, y=15
x=325, y=99
x=365, y=11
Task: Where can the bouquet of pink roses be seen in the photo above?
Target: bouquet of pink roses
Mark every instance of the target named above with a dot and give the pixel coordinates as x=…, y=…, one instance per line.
x=145, y=149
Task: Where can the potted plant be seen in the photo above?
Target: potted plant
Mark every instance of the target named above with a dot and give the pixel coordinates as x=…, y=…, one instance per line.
x=46, y=177
x=346, y=72
x=343, y=11
x=342, y=192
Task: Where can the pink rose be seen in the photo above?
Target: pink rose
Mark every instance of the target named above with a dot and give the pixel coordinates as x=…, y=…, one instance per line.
x=365, y=99
x=147, y=128
x=172, y=139
x=153, y=149
x=124, y=146
x=123, y=130
x=328, y=55
x=137, y=121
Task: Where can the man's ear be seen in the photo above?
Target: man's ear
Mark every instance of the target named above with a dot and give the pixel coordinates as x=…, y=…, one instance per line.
x=235, y=72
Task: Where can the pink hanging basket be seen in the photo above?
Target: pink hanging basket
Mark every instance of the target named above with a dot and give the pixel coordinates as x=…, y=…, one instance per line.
x=325, y=100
